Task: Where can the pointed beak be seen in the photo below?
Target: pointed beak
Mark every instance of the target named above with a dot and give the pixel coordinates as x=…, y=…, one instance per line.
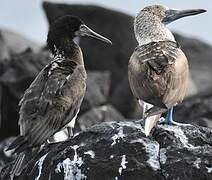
x=172, y=15
x=86, y=31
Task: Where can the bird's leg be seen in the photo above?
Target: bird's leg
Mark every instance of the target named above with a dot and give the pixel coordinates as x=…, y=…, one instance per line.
x=70, y=132
x=169, y=116
x=169, y=119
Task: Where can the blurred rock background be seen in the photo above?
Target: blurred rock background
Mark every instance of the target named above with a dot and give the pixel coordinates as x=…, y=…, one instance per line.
x=108, y=97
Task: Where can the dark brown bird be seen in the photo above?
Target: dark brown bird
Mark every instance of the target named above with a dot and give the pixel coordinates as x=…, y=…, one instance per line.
x=158, y=68
x=53, y=100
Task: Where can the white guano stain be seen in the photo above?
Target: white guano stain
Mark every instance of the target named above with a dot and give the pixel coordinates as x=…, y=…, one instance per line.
x=111, y=156
x=152, y=149
x=197, y=162
x=91, y=153
x=71, y=168
x=40, y=164
x=163, y=156
x=118, y=136
x=178, y=132
x=123, y=164
x=132, y=125
x=209, y=169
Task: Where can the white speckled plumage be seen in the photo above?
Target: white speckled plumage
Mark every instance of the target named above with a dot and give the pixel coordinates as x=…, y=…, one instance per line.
x=148, y=28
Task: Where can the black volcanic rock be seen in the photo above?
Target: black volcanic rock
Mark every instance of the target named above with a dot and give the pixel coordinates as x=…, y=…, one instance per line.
x=103, y=79
x=196, y=110
x=123, y=100
x=14, y=43
x=99, y=115
x=97, y=90
x=21, y=69
x=122, y=151
x=199, y=56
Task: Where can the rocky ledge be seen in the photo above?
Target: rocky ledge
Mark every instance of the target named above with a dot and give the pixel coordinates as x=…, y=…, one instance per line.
x=112, y=151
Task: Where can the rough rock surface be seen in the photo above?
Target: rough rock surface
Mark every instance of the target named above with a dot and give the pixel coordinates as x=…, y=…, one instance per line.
x=97, y=90
x=197, y=110
x=121, y=151
x=103, y=79
x=13, y=43
x=21, y=69
x=199, y=57
x=99, y=115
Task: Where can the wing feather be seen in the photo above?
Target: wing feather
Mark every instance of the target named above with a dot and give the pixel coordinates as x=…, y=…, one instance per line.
x=149, y=71
x=48, y=101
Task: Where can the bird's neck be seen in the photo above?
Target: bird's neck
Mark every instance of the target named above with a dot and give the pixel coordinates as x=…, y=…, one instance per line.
x=151, y=31
x=68, y=51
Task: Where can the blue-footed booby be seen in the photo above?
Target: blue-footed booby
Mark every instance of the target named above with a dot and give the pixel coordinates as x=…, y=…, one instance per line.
x=53, y=100
x=158, y=68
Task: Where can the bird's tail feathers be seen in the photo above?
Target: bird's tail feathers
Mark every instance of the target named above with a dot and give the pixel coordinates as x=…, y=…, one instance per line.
x=150, y=123
x=154, y=111
x=20, y=162
x=151, y=118
x=19, y=144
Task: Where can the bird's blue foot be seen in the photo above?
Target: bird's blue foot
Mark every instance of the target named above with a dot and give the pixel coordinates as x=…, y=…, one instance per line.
x=169, y=119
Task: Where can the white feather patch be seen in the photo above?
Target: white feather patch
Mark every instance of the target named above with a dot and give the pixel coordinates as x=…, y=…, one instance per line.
x=63, y=134
x=150, y=122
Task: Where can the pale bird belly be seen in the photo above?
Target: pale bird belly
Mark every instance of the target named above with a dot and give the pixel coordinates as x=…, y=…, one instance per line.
x=71, y=124
x=62, y=135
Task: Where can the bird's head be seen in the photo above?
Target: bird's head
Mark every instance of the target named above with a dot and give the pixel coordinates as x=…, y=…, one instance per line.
x=150, y=22
x=64, y=29
x=165, y=15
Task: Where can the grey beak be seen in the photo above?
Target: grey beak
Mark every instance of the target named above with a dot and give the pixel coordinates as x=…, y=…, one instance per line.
x=86, y=31
x=172, y=15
